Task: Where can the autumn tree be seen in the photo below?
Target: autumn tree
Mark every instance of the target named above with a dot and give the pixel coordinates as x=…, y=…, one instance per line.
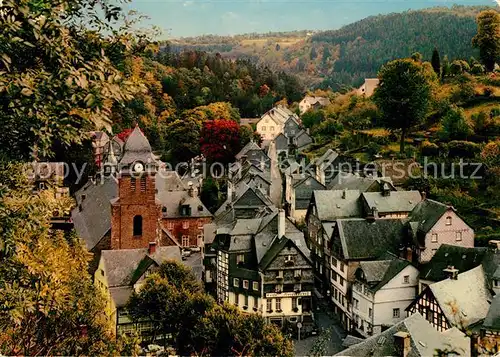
x=403, y=95
x=49, y=304
x=436, y=62
x=487, y=38
x=220, y=140
x=58, y=80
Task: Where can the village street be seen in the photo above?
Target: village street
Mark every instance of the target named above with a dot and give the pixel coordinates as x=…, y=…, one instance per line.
x=325, y=320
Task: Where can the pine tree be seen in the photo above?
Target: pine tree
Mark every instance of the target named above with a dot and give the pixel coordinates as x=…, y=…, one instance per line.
x=436, y=61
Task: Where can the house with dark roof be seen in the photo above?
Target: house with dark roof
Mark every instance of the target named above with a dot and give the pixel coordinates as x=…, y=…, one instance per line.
x=389, y=203
x=254, y=154
x=263, y=266
x=432, y=224
x=298, y=192
x=462, y=259
x=381, y=291
x=351, y=181
x=354, y=240
x=461, y=301
x=121, y=272
x=412, y=337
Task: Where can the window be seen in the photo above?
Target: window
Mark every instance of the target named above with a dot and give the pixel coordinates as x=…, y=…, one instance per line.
x=138, y=226
x=334, y=262
x=271, y=128
x=370, y=312
x=132, y=184
x=342, y=267
x=263, y=128
x=434, y=238
x=279, y=274
x=458, y=236
x=236, y=282
x=356, y=303
x=185, y=241
x=246, y=299
x=294, y=303
x=245, y=284
x=240, y=258
x=255, y=303
x=448, y=221
x=170, y=226
x=395, y=313
x=298, y=273
x=255, y=286
x=334, y=276
x=200, y=225
x=236, y=299
x=278, y=304
x=341, y=281
x=185, y=224
x=143, y=184
x=297, y=287
x=269, y=304
x=406, y=279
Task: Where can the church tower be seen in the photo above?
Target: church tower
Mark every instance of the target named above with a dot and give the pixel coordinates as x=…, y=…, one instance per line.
x=135, y=213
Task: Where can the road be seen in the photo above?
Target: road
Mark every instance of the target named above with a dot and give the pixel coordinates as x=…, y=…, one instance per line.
x=325, y=320
x=276, y=182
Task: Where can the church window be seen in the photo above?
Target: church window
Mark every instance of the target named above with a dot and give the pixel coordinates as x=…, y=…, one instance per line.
x=143, y=184
x=138, y=226
x=132, y=184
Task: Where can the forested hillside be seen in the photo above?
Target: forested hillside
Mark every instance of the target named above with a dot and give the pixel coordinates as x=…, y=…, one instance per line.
x=345, y=56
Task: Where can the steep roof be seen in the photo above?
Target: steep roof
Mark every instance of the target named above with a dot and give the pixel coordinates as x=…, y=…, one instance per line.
x=464, y=301
x=427, y=213
x=92, y=216
x=327, y=158
x=332, y=205
x=137, y=148
x=169, y=181
x=173, y=200
x=396, y=201
x=365, y=239
x=379, y=272
x=251, y=145
x=492, y=320
x=121, y=265
x=462, y=258
x=425, y=340
x=304, y=189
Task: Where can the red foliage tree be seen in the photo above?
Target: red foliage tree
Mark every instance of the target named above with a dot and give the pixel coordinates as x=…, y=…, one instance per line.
x=220, y=140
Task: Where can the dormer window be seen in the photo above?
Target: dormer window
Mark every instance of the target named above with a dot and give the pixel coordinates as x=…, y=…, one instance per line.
x=200, y=208
x=185, y=210
x=448, y=221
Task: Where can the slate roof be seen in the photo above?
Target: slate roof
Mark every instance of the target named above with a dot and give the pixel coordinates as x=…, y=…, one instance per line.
x=327, y=158
x=302, y=139
x=351, y=341
x=331, y=205
x=120, y=265
x=209, y=232
x=349, y=181
x=120, y=295
x=93, y=221
x=365, y=239
x=251, y=145
x=427, y=212
x=396, y=201
x=169, y=181
x=462, y=258
x=304, y=189
x=379, y=272
x=492, y=320
x=173, y=200
x=137, y=148
x=468, y=295
x=425, y=340
x=328, y=228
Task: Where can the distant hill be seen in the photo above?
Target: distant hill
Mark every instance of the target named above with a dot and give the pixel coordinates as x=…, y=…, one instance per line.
x=353, y=52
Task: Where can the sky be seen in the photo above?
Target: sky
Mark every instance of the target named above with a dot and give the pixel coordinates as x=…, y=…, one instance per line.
x=182, y=18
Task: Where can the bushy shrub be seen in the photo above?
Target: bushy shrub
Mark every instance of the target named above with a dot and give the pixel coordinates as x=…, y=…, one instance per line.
x=429, y=149
x=458, y=67
x=477, y=69
x=463, y=93
x=410, y=150
x=461, y=148
x=454, y=125
x=373, y=148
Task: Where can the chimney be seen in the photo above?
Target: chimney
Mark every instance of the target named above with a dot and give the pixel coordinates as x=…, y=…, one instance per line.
x=403, y=343
x=281, y=223
x=152, y=248
x=451, y=272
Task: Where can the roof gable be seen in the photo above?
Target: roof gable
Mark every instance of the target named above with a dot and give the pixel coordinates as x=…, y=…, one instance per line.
x=332, y=205
x=395, y=201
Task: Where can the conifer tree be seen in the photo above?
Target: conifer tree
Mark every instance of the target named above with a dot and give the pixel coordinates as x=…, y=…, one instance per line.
x=436, y=61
